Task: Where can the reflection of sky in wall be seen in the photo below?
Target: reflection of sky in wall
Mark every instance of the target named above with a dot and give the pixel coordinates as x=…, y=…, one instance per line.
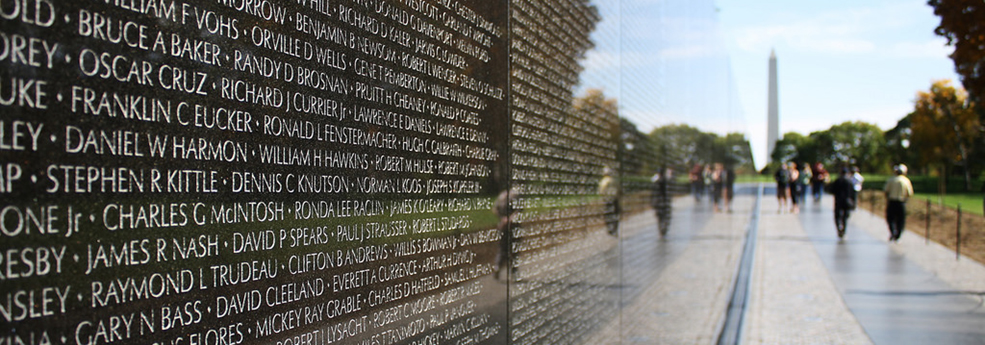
x=602, y=63
x=671, y=63
x=686, y=61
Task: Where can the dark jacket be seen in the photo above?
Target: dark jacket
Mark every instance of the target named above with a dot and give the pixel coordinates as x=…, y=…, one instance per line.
x=844, y=192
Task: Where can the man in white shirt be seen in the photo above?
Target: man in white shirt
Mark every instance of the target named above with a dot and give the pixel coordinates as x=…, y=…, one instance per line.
x=857, y=179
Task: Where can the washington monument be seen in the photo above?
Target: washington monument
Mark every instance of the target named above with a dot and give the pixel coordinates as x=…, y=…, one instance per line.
x=773, y=127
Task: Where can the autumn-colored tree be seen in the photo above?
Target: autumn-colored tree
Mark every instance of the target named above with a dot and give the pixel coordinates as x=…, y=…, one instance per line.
x=963, y=24
x=944, y=126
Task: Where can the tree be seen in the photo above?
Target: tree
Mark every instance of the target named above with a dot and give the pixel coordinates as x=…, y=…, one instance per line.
x=963, y=24
x=794, y=147
x=898, y=142
x=856, y=143
x=639, y=156
x=681, y=146
x=944, y=125
x=734, y=150
x=683, y=143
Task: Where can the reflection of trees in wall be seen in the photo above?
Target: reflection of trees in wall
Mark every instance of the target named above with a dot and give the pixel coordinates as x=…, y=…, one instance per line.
x=686, y=145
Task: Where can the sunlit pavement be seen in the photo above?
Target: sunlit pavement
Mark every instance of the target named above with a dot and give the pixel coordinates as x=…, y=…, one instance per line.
x=901, y=293
x=807, y=286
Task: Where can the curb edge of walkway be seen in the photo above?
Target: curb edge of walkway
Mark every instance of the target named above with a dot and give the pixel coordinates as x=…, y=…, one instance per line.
x=731, y=325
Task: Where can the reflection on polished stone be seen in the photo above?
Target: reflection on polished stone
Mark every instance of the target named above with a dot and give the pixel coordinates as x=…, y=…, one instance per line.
x=315, y=172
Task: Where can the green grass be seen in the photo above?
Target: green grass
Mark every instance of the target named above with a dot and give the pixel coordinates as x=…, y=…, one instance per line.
x=925, y=184
x=746, y=178
x=970, y=202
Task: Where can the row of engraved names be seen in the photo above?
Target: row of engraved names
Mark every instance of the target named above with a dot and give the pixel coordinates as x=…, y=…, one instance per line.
x=420, y=305
x=36, y=93
x=25, y=135
x=20, y=303
x=17, y=135
x=69, y=178
x=95, y=24
x=100, y=27
x=418, y=215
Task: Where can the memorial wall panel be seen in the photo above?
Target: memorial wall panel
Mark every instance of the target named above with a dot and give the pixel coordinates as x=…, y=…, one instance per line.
x=564, y=179
x=258, y=172
x=177, y=172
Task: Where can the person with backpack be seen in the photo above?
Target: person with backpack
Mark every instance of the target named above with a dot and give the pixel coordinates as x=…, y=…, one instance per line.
x=845, y=197
x=782, y=177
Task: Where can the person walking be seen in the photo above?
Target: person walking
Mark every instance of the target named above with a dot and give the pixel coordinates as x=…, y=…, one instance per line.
x=609, y=192
x=697, y=181
x=794, y=188
x=818, y=179
x=660, y=199
x=857, y=179
x=718, y=178
x=803, y=181
x=782, y=177
x=729, y=187
x=898, y=190
x=845, y=200
x=709, y=179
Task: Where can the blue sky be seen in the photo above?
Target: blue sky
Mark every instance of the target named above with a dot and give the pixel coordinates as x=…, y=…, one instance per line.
x=837, y=60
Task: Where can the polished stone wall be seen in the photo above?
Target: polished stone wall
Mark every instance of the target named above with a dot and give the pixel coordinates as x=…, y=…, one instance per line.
x=319, y=172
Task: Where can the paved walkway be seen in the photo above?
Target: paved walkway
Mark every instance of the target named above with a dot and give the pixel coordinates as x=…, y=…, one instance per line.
x=812, y=288
x=676, y=289
x=807, y=286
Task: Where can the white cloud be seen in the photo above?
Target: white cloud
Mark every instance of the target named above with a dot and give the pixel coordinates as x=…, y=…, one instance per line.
x=692, y=51
x=845, y=31
x=826, y=33
x=599, y=60
x=935, y=48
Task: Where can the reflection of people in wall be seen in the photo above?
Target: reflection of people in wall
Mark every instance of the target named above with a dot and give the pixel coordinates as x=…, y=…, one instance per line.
x=660, y=199
x=609, y=192
x=729, y=187
x=718, y=177
x=696, y=177
x=707, y=175
x=506, y=212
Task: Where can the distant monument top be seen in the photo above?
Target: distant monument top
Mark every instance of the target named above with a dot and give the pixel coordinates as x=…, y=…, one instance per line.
x=773, y=111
